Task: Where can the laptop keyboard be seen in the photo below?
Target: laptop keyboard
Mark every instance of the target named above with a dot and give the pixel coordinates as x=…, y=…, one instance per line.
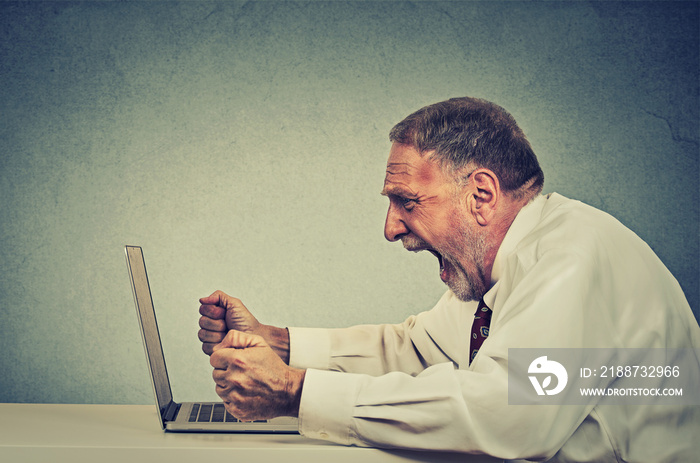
x=212, y=413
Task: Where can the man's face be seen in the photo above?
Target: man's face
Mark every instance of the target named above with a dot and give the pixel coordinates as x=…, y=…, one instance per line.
x=426, y=214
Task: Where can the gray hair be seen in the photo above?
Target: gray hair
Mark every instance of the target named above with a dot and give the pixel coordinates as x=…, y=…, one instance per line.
x=463, y=132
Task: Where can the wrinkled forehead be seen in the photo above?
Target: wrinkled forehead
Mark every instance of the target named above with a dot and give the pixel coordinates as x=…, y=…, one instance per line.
x=406, y=165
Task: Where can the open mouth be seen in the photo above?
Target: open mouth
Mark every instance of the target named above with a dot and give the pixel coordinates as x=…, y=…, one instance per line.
x=439, y=258
x=418, y=246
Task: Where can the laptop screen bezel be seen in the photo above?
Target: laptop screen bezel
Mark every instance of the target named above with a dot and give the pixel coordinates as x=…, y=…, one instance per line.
x=148, y=324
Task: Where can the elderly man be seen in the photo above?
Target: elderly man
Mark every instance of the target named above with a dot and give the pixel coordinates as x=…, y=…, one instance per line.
x=523, y=270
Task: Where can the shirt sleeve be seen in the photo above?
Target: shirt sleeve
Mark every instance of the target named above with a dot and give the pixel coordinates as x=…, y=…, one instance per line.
x=409, y=347
x=435, y=400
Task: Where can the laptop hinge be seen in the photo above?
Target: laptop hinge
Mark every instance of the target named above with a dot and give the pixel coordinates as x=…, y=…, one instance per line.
x=170, y=412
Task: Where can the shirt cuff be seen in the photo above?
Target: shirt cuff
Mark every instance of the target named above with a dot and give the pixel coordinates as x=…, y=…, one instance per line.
x=309, y=348
x=327, y=406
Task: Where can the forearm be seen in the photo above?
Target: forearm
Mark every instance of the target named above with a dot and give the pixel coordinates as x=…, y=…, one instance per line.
x=277, y=339
x=367, y=349
x=441, y=409
x=375, y=349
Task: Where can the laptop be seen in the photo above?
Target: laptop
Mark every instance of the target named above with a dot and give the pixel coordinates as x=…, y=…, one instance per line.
x=187, y=416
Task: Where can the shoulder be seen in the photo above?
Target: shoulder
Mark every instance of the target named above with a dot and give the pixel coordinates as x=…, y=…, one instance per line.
x=575, y=236
x=570, y=226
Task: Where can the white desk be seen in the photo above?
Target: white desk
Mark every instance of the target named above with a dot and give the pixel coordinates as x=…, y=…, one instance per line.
x=131, y=433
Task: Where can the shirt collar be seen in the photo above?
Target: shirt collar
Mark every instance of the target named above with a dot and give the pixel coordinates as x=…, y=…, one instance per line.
x=528, y=217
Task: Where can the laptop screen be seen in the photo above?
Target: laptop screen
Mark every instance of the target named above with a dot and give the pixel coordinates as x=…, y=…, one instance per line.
x=149, y=326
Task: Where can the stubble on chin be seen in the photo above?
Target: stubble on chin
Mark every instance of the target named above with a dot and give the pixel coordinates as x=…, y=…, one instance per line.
x=469, y=283
x=466, y=254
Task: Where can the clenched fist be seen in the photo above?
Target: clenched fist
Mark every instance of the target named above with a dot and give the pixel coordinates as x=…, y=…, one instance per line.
x=221, y=313
x=253, y=382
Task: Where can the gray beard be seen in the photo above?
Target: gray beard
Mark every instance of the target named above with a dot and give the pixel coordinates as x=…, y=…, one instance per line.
x=470, y=247
x=468, y=286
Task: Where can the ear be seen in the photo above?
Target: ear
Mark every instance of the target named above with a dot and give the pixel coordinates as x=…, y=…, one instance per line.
x=483, y=195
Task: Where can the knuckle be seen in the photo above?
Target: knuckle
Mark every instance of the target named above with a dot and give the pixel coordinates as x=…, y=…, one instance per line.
x=239, y=362
x=209, y=336
x=211, y=324
x=205, y=335
x=233, y=383
x=212, y=311
x=218, y=325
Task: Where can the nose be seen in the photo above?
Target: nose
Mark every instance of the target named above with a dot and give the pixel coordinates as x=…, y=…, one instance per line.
x=394, y=227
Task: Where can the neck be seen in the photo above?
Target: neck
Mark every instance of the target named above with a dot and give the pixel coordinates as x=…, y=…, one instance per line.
x=496, y=232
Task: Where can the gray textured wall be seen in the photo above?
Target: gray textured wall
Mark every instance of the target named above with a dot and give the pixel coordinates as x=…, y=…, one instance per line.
x=243, y=145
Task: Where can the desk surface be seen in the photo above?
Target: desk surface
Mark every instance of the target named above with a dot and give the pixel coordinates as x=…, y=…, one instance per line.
x=106, y=433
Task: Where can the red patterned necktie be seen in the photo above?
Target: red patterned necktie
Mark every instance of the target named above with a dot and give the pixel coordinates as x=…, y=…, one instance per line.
x=480, y=329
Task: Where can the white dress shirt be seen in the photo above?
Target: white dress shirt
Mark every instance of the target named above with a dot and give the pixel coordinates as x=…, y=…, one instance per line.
x=566, y=275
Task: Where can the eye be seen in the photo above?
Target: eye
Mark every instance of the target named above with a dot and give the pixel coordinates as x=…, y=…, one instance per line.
x=407, y=203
